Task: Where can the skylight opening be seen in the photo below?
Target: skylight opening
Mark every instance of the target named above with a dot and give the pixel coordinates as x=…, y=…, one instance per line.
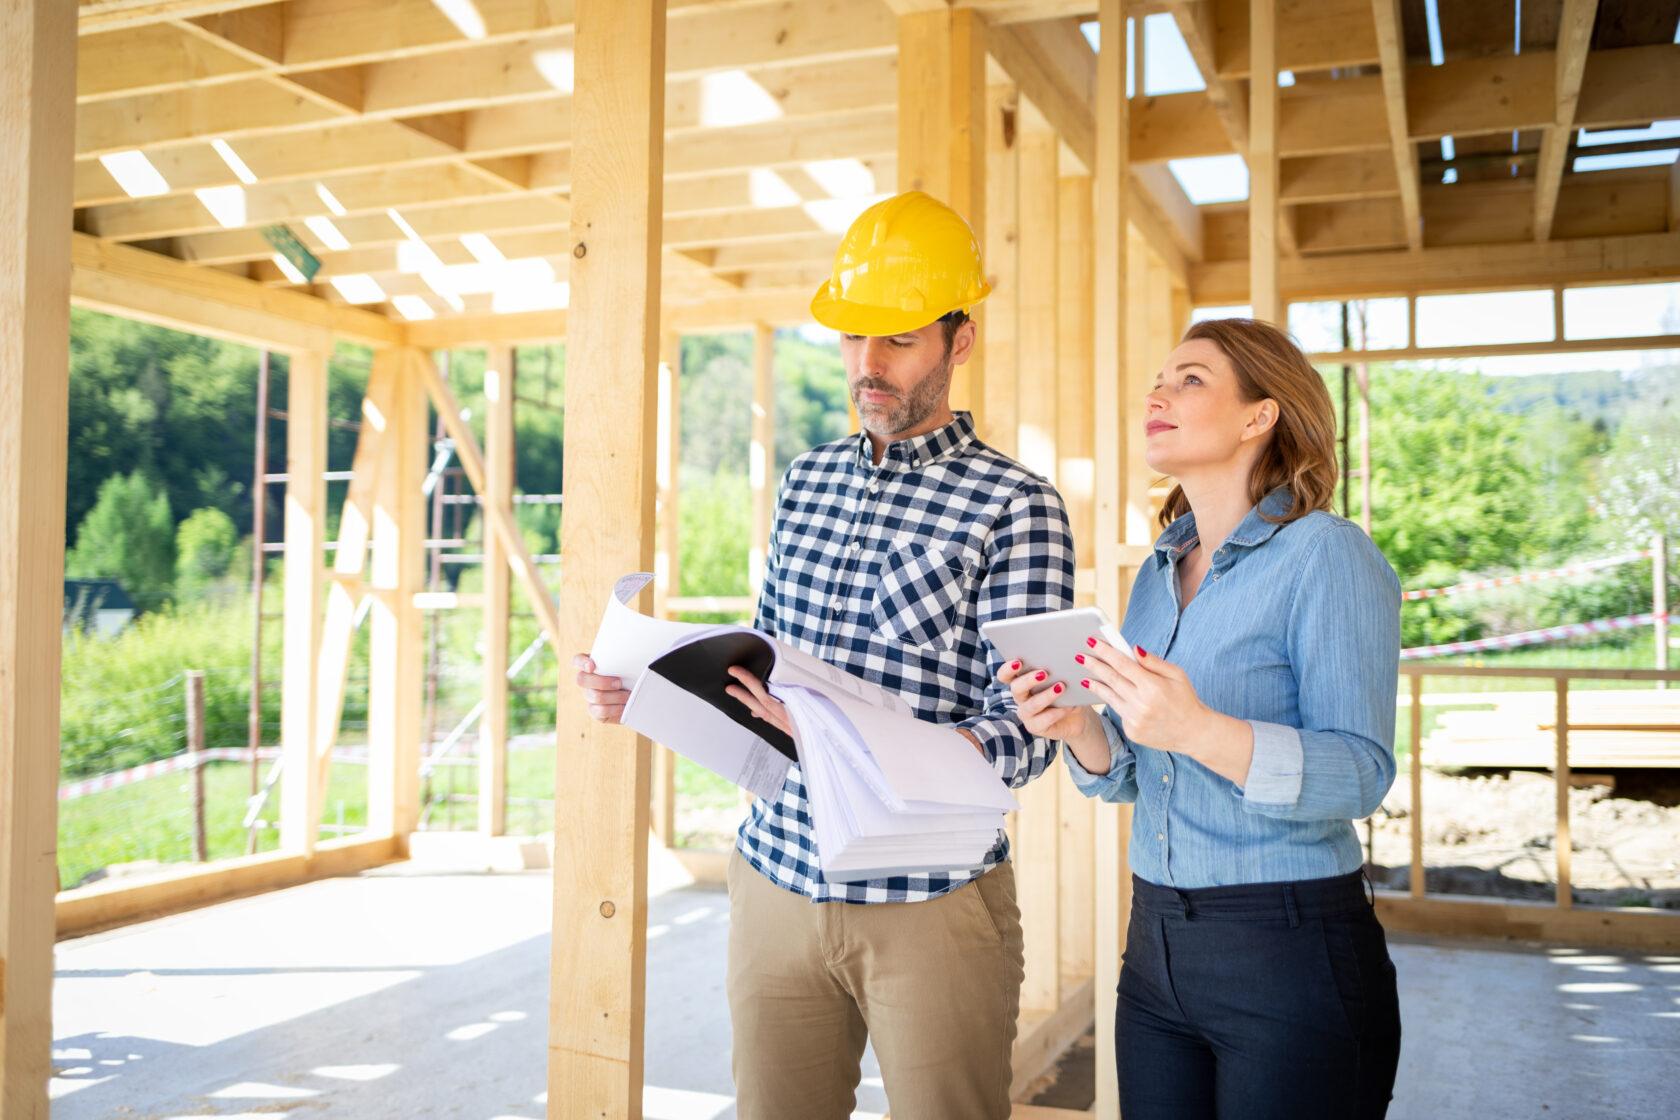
x=1167, y=64
x=835, y=215
x=497, y=276
x=359, y=287
x=732, y=97
x=329, y=201
x=545, y=297
x=1656, y=130
x=413, y=307
x=237, y=165
x=1286, y=78
x=482, y=248
x=1432, y=18
x=328, y=233
x=768, y=190
x=288, y=269
x=1617, y=160
x=1212, y=178
x=226, y=204
x=557, y=67
x=842, y=178
x=464, y=14
x=135, y=174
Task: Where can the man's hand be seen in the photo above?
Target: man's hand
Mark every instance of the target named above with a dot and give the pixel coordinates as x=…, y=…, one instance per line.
x=751, y=692
x=606, y=695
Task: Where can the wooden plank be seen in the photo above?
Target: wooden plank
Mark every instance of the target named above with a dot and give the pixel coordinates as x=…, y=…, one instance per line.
x=1036, y=854
x=1141, y=363
x=1339, y=227
x=942, y=138
x=1056, y=70
x=305, y=520
x=1600, y=260
x=108, y=15
x=1311, y=35
x=37, y=94
x=1414, y=767
x=1263, y=109
x=1075, y=375
x=151, y=59
x=1629, y=87
x=1391, y=44
x=1622, y=927
x=1575, y=28
x=599, y=964
x=1000, y=314
x=501, y=389
x=1040, y=370
x=1339, y=178
x=667, y=560
x=114, y=902
x=761, y=452
x=1476, y=96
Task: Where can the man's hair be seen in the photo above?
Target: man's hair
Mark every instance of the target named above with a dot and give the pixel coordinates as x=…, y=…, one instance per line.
x=952, y=322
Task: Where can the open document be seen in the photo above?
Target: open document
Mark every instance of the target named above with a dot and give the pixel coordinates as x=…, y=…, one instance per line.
x=889, y=793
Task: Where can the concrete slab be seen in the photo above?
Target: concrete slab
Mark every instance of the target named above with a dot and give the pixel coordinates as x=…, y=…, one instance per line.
x=402, y=993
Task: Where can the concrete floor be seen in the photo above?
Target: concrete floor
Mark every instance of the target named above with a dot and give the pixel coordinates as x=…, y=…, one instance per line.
x=403, y=993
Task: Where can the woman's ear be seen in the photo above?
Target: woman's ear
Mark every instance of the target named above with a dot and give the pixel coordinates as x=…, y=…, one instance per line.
x=1263, y=420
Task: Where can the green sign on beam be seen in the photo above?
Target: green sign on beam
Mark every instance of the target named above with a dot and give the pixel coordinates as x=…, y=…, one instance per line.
x=297, y=254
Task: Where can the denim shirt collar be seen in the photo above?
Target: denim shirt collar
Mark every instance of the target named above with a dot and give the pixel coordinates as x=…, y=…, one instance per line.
x=1252, y=531
x=918, y=451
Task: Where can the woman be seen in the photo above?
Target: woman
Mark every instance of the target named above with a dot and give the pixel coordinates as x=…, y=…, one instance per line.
x=1254, y=726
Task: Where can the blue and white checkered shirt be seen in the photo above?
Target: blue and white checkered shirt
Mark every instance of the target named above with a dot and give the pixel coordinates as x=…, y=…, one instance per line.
x=888, y=572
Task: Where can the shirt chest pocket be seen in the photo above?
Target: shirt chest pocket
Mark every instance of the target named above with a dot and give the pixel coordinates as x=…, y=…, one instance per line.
x=922, y=596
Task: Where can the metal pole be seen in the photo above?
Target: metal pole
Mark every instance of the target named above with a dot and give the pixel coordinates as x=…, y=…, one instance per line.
x=195, y=756
x=1362, y=372
x=259, y=529
x=1659, y=599
x=1347, y=420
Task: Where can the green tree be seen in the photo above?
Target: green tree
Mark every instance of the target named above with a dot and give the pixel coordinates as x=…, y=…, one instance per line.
x=205, y=545
x=129, y=536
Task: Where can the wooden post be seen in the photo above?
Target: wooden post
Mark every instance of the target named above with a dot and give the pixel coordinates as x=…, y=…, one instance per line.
x=667, y=566
x=1038, y=867
x=1037, y=396
x=396, y=574
x=501, y=389
x=1141, y=362
x=599, y=965
x=1263, y=287
x=942, y=140
x=1659, y=600
x=302, y=788
x=194, y=679
x=259, y=573
x=1002, y=326
x=761, y=455
x=37, y=124
x=1414, y=763
x=1113, y=822
x=1561, y=846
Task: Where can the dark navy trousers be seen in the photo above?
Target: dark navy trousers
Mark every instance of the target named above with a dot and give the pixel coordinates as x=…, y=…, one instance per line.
x=1256, y=1001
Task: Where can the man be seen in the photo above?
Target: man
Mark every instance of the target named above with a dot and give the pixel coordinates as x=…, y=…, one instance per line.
x=889, y=550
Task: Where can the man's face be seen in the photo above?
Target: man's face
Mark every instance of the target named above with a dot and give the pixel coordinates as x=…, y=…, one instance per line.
x=901, y=383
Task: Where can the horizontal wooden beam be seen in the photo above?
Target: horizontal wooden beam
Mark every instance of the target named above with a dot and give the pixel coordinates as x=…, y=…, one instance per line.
x=1501, y=350
x=1337, y=178
x=1525, y=264
x=1319, y=35
x=108, y=15
x=153, y=288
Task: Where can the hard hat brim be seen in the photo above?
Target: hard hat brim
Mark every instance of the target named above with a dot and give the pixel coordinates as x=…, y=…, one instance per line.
x=866, y=319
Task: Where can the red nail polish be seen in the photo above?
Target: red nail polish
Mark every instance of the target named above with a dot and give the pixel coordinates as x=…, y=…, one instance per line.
x=1040, y=676
x=1085, y=684
x=1092, y=642
x=1014, y=666
x=1058, y=689
x=1142, y=653
x=1079, y=657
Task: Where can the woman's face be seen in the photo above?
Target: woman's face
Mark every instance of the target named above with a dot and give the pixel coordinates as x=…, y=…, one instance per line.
x=1195, y=419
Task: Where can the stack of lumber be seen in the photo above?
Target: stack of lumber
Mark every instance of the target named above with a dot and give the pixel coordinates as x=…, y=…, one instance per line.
x=1607, y=728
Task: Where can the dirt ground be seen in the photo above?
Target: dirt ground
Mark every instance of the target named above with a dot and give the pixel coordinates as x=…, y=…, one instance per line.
x=1486, y=833
x=1493, y=833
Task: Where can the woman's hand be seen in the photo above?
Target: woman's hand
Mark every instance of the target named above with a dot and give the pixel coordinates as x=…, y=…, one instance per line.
x=1154, y=699
x=1080, y=728
x=751, y=692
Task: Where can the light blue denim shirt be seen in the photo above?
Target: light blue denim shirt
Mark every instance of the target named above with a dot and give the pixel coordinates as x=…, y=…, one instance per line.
x=1295, y=629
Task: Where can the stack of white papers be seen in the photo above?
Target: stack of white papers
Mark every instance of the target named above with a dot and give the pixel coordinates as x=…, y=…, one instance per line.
x=890, y=794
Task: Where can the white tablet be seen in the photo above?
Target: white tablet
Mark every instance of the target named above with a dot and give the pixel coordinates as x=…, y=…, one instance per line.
x=1050, y=641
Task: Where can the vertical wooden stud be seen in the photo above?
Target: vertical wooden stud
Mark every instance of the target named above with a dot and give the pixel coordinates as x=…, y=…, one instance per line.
x=1037, y=358
x=1263, y=284
x=1141, y=364
x=37, y=123
x=667, y=566
x=501, y=389
x=1076, y=334
x=761, y=454
x=599, y=955
x=1561, y=847
x=304, y=518
x=1002, y=371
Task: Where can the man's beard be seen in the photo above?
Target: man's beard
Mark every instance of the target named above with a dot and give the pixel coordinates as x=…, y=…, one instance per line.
x=921, y=401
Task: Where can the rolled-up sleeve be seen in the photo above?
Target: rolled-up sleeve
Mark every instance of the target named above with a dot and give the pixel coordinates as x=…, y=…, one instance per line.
x=1029, y=570
x=1344, y=646
x=1120, y=783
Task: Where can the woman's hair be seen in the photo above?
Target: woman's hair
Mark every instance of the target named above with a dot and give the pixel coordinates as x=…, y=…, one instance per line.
x=1301, y=453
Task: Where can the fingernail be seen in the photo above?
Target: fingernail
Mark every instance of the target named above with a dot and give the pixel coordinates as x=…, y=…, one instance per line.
x=1040, y=676
x=1014, y=666
x=1092, y=642
x=1142, y=653
x=1058, y=689
x=1085, y=684
x=1079, y=657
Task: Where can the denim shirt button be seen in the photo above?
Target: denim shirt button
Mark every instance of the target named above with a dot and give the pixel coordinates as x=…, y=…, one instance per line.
x=1166, y=778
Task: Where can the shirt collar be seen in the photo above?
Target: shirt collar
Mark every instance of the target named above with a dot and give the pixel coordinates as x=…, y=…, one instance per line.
x=1252, y=530
x=918, y=451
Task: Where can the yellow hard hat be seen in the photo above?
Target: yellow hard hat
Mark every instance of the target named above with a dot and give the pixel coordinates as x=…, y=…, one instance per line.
x=906, y=261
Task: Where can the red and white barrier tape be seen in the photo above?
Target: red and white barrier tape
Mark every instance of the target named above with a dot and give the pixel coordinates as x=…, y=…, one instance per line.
x=183, y=761
x=1534, y=637
x=1528, y=577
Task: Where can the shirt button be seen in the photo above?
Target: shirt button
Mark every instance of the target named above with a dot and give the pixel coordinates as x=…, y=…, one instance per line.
x=1165, y=778
x=1160, y=836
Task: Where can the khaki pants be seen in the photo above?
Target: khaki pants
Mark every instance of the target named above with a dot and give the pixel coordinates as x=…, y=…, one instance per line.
x=937, y=984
